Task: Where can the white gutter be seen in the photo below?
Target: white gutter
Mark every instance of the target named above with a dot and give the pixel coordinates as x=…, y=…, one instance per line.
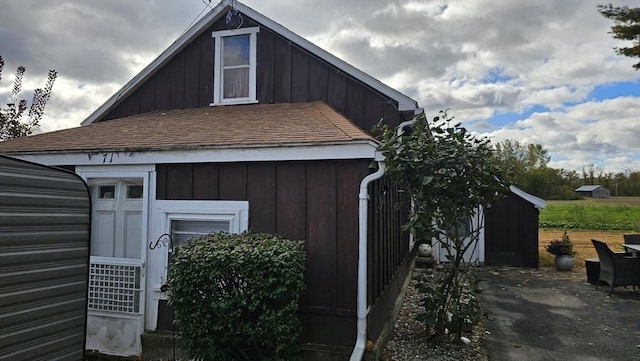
x=363, y=196
x=362, y=309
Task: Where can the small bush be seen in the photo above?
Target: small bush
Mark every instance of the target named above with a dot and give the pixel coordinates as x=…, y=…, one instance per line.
x=463, y=308
x=236, y=296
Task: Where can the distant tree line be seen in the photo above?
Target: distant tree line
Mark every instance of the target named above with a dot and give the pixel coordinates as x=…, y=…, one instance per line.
x=527, y=168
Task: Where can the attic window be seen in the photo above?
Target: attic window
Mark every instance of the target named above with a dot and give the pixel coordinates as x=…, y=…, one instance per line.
x=235, y=66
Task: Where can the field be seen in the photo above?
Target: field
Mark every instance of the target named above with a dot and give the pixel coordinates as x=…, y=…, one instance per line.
x=581, y=241
x=615, y=213
x=602, y=219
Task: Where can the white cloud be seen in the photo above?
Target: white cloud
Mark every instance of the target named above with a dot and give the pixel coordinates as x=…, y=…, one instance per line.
x=478, y=58
x=604, y=133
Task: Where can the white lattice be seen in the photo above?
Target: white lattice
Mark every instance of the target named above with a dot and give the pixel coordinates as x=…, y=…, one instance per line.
x=114, y=287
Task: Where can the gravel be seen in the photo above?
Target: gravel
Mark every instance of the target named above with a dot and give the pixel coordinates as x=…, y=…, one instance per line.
x=409, y=342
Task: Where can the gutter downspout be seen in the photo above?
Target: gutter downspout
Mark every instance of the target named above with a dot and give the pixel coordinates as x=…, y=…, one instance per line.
x=363, y=209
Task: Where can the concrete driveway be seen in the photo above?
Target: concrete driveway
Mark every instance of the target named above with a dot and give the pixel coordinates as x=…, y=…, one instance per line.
x=550, y=315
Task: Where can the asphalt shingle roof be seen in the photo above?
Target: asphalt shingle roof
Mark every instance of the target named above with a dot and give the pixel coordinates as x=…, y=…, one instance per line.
x=252, y=125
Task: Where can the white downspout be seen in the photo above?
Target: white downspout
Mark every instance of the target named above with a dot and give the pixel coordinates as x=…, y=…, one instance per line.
x=362, y=309
x=363, y=208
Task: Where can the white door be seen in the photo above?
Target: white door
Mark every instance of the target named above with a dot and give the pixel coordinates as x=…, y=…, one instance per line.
x=116, y=229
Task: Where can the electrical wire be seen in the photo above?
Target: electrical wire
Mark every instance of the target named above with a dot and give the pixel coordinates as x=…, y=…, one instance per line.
x=206, y=5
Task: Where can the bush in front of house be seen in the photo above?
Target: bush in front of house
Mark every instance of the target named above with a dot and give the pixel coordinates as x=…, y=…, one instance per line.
x=235, y=296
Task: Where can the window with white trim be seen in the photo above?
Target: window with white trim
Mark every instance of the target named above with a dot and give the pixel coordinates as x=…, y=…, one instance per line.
x=235, y=66
x=184, y=220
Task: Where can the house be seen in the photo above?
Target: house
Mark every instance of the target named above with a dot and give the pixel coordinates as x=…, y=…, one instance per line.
x=593, y=191
x=508, y=232
x=240, y=124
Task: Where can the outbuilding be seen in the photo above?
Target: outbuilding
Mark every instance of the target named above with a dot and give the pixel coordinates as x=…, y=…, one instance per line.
x=44, y=262
x=593, y=191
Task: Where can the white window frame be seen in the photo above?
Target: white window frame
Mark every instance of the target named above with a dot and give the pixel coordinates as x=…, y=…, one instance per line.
x=235, y=212
x=218, y=94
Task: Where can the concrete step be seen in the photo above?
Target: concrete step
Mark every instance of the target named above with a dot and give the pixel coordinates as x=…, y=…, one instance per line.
x=162, y=346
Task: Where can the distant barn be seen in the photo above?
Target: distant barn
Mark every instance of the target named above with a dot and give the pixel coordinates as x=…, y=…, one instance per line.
x=594, y=191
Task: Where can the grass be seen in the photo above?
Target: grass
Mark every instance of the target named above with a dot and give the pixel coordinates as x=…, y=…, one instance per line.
x=615, y=213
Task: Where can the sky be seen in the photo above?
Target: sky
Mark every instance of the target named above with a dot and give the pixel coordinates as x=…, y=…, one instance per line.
x=537, y=72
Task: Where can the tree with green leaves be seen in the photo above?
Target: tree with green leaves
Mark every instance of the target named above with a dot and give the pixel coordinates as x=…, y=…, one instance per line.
x=12, y=124
x=450, y=175
x=626, y=27
x=517, y=159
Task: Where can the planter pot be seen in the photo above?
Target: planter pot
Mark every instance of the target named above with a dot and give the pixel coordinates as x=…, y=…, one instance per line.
x=564, y=263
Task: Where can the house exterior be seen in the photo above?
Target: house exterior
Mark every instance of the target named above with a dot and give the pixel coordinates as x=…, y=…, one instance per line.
x=240, y=124
x=593, y=191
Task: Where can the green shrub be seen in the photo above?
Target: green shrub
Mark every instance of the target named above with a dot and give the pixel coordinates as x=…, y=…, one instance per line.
x=464, y=310
x=236, y=296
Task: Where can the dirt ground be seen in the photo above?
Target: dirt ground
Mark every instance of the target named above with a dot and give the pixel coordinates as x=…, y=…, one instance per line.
x=581, y=241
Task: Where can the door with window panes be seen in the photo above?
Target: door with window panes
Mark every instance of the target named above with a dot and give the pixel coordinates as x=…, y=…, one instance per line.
x=116, y=229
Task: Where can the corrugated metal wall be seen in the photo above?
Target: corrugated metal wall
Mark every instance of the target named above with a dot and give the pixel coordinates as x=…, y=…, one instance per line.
x=44, y=256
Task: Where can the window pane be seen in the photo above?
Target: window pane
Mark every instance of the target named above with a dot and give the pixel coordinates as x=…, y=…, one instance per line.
x=236, y=83
x=134, y=191
x=235, y=50
x=107, y=192
x=182, y=230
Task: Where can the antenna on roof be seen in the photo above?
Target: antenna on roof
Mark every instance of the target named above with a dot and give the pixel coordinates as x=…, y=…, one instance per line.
x=234, y=12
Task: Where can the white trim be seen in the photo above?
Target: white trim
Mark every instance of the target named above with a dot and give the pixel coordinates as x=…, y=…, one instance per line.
x=163, y=211
x=217, y=68
x=353, y=150
x=117, y=261
x=146, y=172
x=237, y=212
x=537, y=202
x=404, y=102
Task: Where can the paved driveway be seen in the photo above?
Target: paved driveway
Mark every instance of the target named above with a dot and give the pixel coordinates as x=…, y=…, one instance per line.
x=550, y=315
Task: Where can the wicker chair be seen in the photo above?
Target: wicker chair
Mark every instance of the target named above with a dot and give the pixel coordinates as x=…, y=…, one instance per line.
x=615, y=269
x=632, y=238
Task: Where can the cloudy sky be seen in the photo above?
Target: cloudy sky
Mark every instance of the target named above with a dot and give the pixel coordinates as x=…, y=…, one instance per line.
x=541, y=72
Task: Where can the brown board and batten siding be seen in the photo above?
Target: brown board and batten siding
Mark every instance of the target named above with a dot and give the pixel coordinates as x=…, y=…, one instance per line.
x=314, y=201
x=511, y=233
x=286, y=73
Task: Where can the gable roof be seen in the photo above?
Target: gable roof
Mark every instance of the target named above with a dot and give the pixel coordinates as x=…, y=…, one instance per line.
x=404, y=102
x=589, y=188
x=537, y=202
x=256, y=125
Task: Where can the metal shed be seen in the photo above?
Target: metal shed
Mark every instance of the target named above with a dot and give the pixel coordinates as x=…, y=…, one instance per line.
x=44, y=258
